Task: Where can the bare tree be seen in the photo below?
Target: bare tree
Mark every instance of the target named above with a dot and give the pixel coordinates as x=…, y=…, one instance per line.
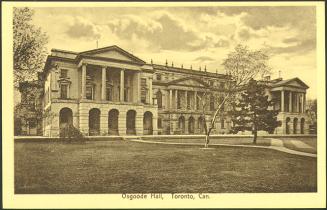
x=241, y=66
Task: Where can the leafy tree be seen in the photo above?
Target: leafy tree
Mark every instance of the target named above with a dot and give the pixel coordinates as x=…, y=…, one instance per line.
x=312, y=113
x=252, y=111
x=241, y=66
x=29, y=46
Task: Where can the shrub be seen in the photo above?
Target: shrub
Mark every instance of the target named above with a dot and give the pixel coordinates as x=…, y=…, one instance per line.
x=71, y=133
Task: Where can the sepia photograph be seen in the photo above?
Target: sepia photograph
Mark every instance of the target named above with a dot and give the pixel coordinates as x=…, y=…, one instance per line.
x=175, y=102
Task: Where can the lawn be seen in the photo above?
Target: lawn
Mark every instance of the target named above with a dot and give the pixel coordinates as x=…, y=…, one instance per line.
x=132, y=167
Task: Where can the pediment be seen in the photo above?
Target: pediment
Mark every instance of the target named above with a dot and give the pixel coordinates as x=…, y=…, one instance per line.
x=190, y=82
x=113, y=52
x=295, y=82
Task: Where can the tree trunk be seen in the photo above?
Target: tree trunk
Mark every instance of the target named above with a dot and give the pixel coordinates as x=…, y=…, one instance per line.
x=206, y=144
x=255, y=137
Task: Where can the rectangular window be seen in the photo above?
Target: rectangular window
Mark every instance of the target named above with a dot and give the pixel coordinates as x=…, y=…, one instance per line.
x=109, y=93
x=63, y=91
x=179, y=97
x=212, y=103
x=188, y=102
x=222, y=85
x=63, y=73
x=158, y=76
x=89, y=92
x=144, y=90
x=197, y=106
x=126, y=92
x=159, y=123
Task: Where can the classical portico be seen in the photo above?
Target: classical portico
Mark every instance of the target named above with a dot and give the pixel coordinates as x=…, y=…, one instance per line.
x=114, y=84
x=291, y=97
x=111, y=94
x=183, y=104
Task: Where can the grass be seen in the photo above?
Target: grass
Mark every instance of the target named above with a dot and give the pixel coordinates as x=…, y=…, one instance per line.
x=131, y=167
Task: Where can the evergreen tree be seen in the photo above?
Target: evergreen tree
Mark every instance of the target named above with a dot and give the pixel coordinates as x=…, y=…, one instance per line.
x=252, y=111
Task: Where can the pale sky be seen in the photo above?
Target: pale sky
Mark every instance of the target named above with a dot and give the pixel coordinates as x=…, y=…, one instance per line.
x=196, y=36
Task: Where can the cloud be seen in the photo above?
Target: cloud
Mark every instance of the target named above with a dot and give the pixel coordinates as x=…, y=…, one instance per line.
x=299, y=48
x=204, y=58
x=279, y=16
x=161, y=29
x=291, y=40
x=82, y=28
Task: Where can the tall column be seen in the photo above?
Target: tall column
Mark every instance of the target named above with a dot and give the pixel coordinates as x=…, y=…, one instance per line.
x=290, y=102
x=303, y=107
x=104, y=85
x=195, y=99
x=282, y=101
x=138, y=87
x=304, y=102
x=122, y=86
x=170, y=99
x=297, y=102
x=83, y=81
x=150, y=91
x=176, y=104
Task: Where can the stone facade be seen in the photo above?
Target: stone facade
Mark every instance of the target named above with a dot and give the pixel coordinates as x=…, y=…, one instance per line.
x=109, y=91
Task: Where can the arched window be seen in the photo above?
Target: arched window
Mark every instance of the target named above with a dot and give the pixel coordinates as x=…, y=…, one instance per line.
x=191, y=125
x=113, y=122
x=295, y=126
x=94, y=122
x=181, y=124
x=287, y=125
x=147, y=123
x=130, y=122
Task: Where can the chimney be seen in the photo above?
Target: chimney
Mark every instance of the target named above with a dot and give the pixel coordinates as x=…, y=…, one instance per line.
x=205, y=68
x=200, y=68
x=172, y=64
x=182, y=66
x=166, y=62
x=267, y=78
x=191, y=67
x=151, y=61
x=279, y=74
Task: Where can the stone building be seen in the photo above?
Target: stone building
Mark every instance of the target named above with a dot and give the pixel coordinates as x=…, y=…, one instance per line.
x=291, y=95
x=108, y=91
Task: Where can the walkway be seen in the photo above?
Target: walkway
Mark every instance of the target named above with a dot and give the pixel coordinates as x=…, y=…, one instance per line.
x=276, y=144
